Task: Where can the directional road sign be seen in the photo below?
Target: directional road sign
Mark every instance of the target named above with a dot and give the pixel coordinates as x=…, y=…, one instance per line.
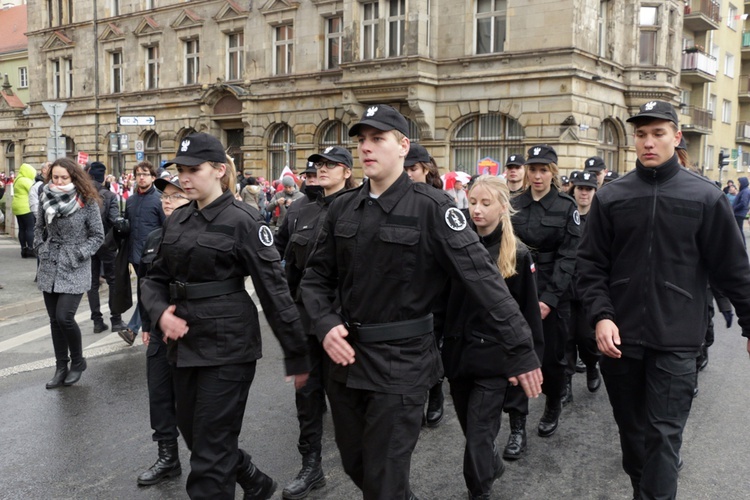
x=137, y=120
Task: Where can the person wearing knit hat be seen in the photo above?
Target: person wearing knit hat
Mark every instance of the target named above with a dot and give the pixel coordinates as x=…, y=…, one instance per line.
x=97, y=171
x=284, y=198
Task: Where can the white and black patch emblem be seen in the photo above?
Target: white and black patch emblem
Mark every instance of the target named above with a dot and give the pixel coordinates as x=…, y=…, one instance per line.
x=265, y=235
x=455, y=219
x=576, y=217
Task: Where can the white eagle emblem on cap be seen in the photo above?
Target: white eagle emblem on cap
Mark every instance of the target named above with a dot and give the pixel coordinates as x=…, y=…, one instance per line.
x=328, y=150
x=371, y=111
x=649, y=106
x=586, y=176
x=184, y=145
x=513, y=158
x=591, y=163
x=537, y=151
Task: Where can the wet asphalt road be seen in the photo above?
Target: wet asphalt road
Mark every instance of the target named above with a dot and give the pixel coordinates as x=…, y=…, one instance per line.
x=91, y=440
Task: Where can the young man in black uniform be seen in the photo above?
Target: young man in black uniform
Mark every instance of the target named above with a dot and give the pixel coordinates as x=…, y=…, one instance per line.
x=596, y=165
x=387, y=249
x=515, y=171
x=332, y=171
x=648, y=252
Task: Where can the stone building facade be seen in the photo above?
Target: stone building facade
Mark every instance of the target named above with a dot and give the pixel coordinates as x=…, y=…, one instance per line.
x=277, y=80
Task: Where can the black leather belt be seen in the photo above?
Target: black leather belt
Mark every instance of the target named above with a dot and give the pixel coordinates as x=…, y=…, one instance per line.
x=544, y=257
x=190, y=291
x=384, y=332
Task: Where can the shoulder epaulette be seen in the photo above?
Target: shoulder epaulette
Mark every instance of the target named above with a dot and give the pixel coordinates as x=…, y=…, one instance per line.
x=439, y=196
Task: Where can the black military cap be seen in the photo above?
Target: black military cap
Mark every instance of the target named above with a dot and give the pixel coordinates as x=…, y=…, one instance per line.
x=659, y=110
x=335, y=154
x=161, y=183
x=541, y=153
x=417, y=154
x=594, y=164
x=564, y=180
x=198, y=148
x=585, y=178
x=610, y=176
x=310, y=168
x=515, y=160
x=381, y=117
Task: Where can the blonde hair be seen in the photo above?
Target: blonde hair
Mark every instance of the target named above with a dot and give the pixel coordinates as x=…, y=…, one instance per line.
x=506, y=260
x=552, y=168
x=229, y=180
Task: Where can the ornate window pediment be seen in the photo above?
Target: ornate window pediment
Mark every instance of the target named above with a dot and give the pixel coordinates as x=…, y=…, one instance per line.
x=279, y=6
x=147, y=26
x=230, y=11
x=111, y=33
x=187, y=19
x=58, y=40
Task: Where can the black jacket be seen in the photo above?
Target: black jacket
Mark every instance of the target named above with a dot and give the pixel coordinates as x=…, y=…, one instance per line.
x=653, y=240
x=468, y=349
x=388, y=259
x=145, y=214
x=223, y=240
x=551, y=229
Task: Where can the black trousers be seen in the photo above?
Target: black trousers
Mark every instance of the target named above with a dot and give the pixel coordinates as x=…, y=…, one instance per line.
x=106, y=261
x=210, y=405
x=581, y=340
x=651, y=400
x=555, y=327
x=161, y=394
x=376, y=434
x=26, y=230
x=741, y=224
x=479, y=405
x=66, y=335
x=311, y=400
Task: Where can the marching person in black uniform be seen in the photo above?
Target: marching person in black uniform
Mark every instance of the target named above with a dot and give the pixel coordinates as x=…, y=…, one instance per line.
x=196, y=294
x=333, y=174
x=158, y=372
x=582, y=341
x=387, y=249
x=311, y=191
x=548, y=222
x=514, y=174
x=470, y=354
x=654, y=239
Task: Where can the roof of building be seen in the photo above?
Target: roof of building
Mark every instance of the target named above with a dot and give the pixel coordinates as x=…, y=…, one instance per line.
x=13, y=27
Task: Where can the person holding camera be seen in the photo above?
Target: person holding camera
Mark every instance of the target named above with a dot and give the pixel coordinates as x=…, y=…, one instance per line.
x=284, y=198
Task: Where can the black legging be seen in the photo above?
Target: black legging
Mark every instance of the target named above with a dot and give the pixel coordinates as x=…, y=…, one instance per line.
x=66, y=336
x=26, y=230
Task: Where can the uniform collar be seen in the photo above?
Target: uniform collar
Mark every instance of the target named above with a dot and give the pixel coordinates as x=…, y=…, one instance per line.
x=491, y=239
x=525, y=199
x=663, y=172
x=210, y=212
x=390, y=198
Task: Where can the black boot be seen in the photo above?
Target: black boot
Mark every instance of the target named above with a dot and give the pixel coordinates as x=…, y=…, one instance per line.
x=435, y=405
x=257, y=485
x=550, y=418
x=76, y=369
x=517, y=439
x=567, y=395
x=100, y=326
x=593, y=379
x=58, y=378
x=310, y=478
x=166, y=466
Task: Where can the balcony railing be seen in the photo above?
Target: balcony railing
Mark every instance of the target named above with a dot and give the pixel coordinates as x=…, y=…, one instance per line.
x=746, y=39
x=743, y=131
x=701, y=118
x=709, y=8
x=699, y=61
x=744, y=84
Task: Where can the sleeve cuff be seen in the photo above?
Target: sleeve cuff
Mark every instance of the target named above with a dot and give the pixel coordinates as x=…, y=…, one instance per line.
x=549, y=299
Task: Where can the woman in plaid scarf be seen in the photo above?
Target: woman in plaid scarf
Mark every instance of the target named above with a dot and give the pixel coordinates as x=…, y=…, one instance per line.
x=68, y=232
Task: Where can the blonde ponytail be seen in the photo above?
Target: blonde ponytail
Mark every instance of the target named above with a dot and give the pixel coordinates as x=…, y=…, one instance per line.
x=506, y=260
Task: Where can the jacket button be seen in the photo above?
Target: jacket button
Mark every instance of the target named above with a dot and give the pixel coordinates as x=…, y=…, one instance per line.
x=369, y=202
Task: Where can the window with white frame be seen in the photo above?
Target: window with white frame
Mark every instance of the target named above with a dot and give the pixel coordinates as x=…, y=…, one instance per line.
x=23, y=77
x=490, y=18
x=369, y=30
x=729, y=64
x=235, y=55
x=192, y=61
x=281, y=149
x=649, y=33
x=712, y=105
x=334, y=37
x=396, y=27
x=114, y=7
x=283, y=49
x=152, y=67
x=732, y=17
x=116, y=72
x=709, y=160
x=603, y=38
x=726, y=111
x=62, y=77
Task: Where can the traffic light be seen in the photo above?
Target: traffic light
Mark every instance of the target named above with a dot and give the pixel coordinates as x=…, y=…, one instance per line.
x=723, y=159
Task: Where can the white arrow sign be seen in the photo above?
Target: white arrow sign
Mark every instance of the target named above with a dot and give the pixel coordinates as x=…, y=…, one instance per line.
x=137, y=120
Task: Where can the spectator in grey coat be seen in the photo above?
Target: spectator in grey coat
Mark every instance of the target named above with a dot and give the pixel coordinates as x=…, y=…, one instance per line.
x=284, y=198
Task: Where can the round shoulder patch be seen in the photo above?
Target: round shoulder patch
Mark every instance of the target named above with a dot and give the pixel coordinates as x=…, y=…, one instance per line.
x=576, y=217
x=265, y=235
x=455, y=219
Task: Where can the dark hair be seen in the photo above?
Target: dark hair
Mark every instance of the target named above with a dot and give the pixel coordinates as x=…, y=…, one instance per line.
x=145, y=165
x=79, y=178
x=432, y=177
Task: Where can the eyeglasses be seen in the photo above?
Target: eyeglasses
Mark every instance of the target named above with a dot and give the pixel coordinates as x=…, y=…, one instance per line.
x=143, y=174
x=329, y=166
x=173, y=197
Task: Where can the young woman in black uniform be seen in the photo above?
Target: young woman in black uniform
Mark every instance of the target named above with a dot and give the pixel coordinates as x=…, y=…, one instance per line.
x=470, y=357
x=196, y=293
x=548, y=222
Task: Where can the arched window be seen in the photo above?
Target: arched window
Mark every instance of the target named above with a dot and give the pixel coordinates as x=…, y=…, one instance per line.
x=10, y=158
x=335, y=133
x=492, y=135
x=609, y=145
x=281, y=149
x=151, y=148
x=182, y=134
x=413, y=130
x=70, y=147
